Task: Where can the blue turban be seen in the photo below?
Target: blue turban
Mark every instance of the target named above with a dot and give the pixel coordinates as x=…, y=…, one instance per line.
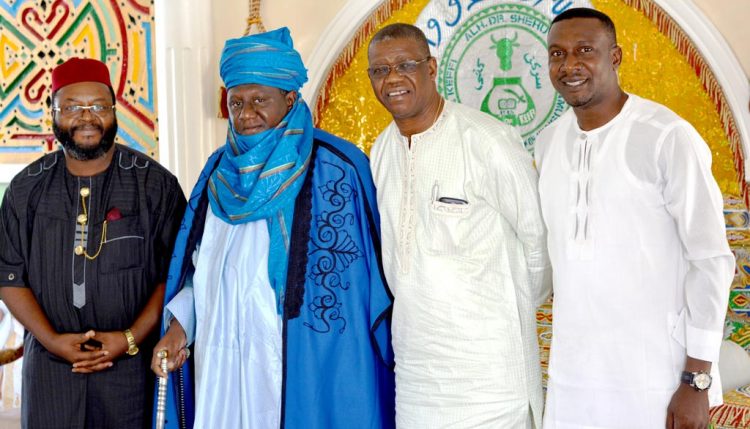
x=265, y=59
x=260, y=175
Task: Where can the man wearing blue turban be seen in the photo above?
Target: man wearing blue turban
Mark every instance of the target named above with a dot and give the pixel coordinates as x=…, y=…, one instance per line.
x=276, y=282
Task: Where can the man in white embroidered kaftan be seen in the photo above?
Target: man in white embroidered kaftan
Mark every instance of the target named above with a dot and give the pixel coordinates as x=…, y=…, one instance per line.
x=641, y=263
x=463, y=249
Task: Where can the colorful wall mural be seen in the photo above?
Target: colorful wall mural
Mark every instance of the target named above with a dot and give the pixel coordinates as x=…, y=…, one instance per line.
x=36, y=35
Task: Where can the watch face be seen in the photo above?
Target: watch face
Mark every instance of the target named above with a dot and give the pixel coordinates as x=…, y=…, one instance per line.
x=133, y=351
x=702, y=381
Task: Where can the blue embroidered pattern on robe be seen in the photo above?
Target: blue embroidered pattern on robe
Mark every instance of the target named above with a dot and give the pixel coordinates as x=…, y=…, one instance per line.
x=334, y=251
x=342, y=271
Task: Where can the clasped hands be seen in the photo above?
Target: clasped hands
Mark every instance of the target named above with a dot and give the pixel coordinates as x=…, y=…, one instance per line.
x=90, y=351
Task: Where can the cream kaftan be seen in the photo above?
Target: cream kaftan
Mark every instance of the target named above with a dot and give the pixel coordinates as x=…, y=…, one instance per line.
x=466, y=278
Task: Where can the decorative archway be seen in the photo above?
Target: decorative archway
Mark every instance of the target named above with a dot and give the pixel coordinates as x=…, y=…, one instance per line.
x=696, y=60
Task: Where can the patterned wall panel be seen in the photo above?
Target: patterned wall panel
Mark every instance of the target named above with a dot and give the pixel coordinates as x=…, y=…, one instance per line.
x=738, y=232
x=36, y=35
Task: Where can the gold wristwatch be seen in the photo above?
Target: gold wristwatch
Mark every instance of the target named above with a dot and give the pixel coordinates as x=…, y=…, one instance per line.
x=132, y=347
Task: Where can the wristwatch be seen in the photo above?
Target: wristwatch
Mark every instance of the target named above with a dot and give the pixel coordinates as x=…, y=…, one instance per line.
x=132, y=347
x=699, y=381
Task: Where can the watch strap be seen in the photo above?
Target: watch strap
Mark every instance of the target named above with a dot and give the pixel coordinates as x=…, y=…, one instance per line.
x=687, y=377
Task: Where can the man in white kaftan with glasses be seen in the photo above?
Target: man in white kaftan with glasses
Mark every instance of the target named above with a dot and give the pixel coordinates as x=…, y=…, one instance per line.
x=463, y=249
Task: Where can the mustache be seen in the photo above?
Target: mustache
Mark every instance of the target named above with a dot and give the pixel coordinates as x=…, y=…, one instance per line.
x=80, y=127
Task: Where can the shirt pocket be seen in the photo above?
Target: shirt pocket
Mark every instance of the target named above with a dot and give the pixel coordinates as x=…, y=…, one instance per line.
x=447, y=227
x=124, y=246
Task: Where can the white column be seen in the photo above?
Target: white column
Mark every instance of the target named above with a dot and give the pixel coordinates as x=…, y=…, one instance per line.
x=189, y=37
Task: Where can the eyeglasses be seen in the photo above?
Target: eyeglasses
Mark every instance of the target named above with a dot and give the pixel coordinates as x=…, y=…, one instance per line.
x=406, y=67
x=97, y=109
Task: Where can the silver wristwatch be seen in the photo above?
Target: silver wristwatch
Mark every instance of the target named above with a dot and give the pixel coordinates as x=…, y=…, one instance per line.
x=699, y=381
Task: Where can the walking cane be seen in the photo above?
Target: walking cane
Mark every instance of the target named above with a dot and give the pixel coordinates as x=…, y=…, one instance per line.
x=161, y=396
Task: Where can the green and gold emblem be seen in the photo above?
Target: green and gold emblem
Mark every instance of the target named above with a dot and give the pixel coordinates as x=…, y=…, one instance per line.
x=496, y=61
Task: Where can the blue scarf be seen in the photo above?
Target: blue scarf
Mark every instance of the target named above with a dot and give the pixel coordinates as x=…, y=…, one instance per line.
x=260, y=175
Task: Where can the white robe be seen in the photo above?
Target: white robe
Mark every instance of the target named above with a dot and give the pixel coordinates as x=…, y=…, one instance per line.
x=230, y=310
x=641, y=264
x=466, y=278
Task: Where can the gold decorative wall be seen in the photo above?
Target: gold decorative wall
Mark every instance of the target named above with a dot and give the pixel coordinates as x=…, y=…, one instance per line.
x=659, y=63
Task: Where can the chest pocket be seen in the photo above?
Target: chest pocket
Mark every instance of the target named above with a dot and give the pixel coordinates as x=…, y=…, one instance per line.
x=124, y=247
x=447, y=228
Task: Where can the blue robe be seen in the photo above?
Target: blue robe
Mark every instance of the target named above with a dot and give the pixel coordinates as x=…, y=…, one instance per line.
x=337, y=356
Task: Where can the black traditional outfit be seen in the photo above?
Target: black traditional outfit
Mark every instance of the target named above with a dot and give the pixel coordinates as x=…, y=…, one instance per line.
x=39, y=231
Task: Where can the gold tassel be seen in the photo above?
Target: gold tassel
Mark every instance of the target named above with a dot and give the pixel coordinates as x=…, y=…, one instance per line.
x=254, y=19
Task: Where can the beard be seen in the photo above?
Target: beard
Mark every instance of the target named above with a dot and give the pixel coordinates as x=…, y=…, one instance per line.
x=65, y=137
x=575, y=99
x=579, y=101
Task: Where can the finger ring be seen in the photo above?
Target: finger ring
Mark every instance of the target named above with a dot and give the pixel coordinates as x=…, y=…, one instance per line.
x=161, y=354
x=187, y=353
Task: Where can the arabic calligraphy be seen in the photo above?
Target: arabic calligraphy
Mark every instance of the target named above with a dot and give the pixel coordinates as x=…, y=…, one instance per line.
x=533, y=66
